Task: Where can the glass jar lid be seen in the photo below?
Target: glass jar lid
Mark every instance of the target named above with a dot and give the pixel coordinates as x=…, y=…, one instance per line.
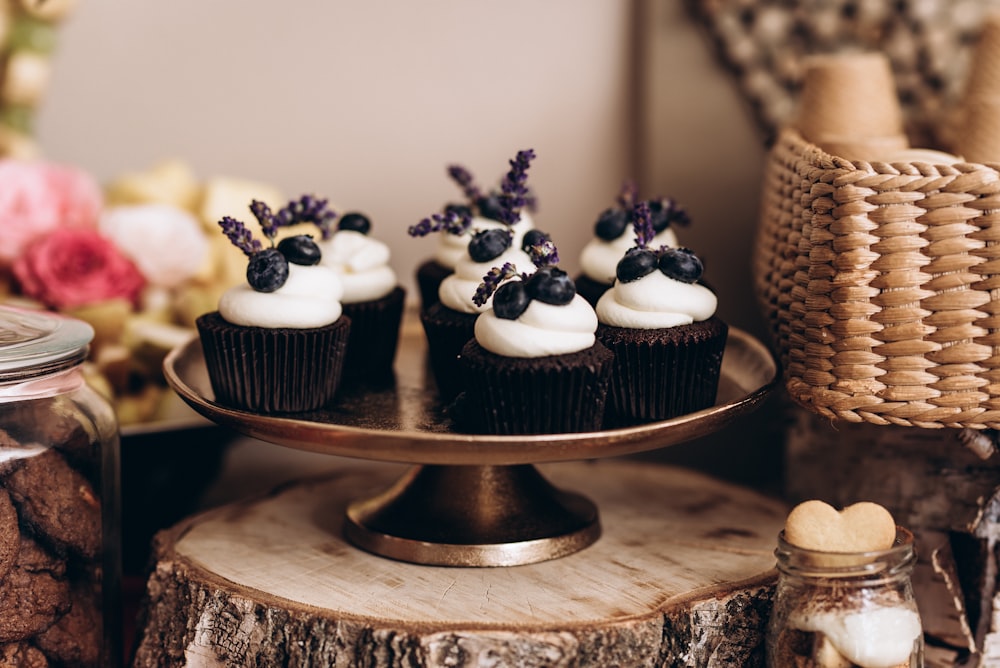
x=35, y=342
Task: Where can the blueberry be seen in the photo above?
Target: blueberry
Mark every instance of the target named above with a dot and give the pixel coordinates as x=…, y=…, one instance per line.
x=551, y=285
x=663, y=212
x=489, y=207
x=267, y=271
x=636, y=263
x=611, y=224
x=356, y=222
x=510, y=300
x=534, y=238
x=681, y=264
x=489, y=244
x=300, y=249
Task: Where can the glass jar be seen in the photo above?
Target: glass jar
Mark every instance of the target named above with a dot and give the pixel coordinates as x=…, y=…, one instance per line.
x=841, y=610
x=59, y=509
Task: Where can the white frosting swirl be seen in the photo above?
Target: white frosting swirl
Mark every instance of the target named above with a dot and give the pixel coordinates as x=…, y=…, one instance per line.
x=655, y=301
x=361, y=262
x=457, y=289
x=451, y=247
x=599, y=258
x=542, y=330
x=309, y=298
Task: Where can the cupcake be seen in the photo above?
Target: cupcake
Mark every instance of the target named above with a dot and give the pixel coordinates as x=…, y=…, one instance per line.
x=372, y=297
x=612, y=237
x=480, y=211
x=534, y=365
x=661, y=326
x=277, y=343
x=448, y=322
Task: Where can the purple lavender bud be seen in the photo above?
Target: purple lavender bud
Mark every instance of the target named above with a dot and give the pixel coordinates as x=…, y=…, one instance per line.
x=262, y=212
x=421, y=229
x=454, y=220
x=240, y=236
x=642, y=223
x=491, y=281
x=514, y=190
x=465, y=181
x=544, y=253
x=308, y=209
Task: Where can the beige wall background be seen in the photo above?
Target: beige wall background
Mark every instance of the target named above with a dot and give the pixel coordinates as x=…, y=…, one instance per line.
x=367, y=102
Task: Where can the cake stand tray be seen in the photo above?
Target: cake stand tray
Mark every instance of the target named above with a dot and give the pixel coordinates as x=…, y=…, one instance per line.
x=469, y=499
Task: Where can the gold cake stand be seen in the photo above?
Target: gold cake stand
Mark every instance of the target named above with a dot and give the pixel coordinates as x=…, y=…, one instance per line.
x=469, y=499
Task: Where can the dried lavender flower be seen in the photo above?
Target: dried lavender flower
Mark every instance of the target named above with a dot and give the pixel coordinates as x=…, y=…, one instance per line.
x=642, y=223
x=454, y=220
x=491, y=281
x=514, y=191
x=308, y=209
x=466, y=182
x=268, y=224
x=240, y=236
x=543, y=253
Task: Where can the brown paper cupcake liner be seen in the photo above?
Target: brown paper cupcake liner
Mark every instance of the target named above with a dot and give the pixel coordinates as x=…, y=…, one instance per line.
x=663, y=373
x=273, y=370
x=447, y=332
x=545, y=395
x=374, y=338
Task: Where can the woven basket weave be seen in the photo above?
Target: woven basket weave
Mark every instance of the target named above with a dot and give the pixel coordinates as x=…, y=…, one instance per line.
x=881, y=284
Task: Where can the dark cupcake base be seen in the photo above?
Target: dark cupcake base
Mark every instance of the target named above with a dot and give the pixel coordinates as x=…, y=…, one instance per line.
x=590, y=289
x=278, y=370
x=371, y=347
x=662, y=373
x=429, y=277
x=447, y=332
x=542, y=395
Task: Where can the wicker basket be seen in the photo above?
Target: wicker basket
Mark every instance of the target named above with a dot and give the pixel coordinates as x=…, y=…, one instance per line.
x=881, y=284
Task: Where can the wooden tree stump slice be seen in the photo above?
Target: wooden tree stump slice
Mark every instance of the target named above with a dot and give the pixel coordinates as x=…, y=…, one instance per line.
x=682, y=576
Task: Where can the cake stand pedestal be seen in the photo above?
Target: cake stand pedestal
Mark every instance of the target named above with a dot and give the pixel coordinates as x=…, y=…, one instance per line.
x=680, y=576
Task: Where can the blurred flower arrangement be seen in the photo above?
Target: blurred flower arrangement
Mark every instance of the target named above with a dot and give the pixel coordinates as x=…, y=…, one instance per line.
x=139, y=259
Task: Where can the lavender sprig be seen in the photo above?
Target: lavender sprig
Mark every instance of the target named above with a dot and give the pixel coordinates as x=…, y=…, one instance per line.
x=673, y=213
x=544, y=253
x=491, y=281
x=642, y=223
x=514, y=192
x=308, y=209
x=628, y=195
x=464, y=179
x=453, y=221
x=268, y=224
x=240, y=236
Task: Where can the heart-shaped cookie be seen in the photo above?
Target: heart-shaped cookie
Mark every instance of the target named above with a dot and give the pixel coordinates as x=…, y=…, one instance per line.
x=862, y=527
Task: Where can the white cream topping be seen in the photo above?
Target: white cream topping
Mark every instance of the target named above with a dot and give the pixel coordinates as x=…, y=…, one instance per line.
x=451, y=247
x=361, y=262
x=309, y=298
x=878, y=637
x=600, y=258
x=543, y=329
x=457, y=289
x=655, y=301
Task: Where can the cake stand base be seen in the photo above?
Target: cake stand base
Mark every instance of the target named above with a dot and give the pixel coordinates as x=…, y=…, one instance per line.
x=473, y=516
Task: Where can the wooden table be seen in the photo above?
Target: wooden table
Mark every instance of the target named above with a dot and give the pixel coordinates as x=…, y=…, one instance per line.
x=682, y=575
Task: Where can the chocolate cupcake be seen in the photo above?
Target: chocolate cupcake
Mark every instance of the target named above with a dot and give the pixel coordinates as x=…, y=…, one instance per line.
x=613, y=237
x=534, y=366
x=372, y=298
x=660, y=325
x=448, y=322
x=481, y=210
x=277, y=343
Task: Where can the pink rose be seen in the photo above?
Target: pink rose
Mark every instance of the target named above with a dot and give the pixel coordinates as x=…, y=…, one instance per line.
x=37, y=197
x=72, y=267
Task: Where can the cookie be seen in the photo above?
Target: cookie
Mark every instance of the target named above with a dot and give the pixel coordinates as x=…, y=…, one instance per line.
x=22, y=655
x=32, y=598
x=10, y=536
x=75, y=639
x=862, y=527
x=58, y=502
